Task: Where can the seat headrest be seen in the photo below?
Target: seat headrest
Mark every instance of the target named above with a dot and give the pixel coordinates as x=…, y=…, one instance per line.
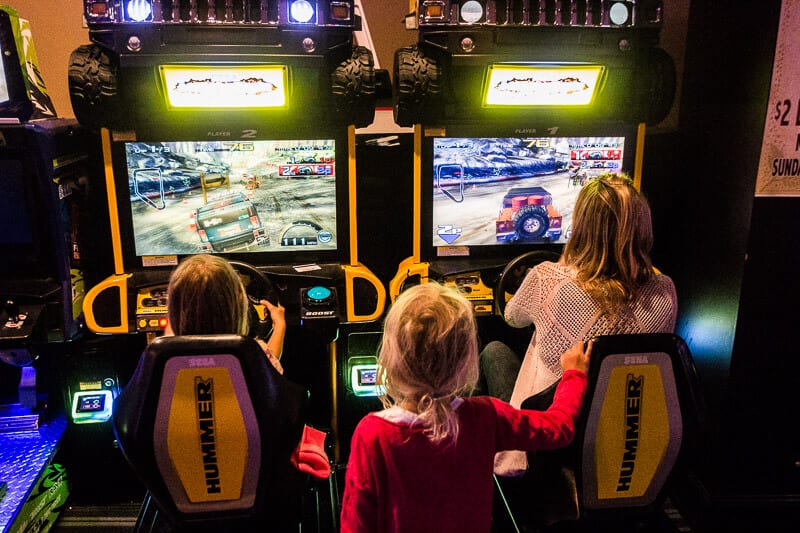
x=180, y=384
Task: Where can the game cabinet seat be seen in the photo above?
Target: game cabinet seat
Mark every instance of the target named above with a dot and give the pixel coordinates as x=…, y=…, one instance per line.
x=641, y=421
x=209, y=426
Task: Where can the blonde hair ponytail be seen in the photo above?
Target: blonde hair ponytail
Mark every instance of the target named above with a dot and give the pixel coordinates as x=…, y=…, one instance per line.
x=429, y=356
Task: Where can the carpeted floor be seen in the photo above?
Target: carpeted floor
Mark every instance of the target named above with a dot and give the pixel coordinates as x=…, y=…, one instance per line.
x=116, y=518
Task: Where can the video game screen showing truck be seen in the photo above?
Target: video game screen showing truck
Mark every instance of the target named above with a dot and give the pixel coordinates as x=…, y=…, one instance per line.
x=232, y=196
x=489, y=191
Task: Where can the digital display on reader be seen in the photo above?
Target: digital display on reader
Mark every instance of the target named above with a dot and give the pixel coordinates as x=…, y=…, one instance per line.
x=367, y=376
x=364, y=377
x=91, y=406
x=91, y=403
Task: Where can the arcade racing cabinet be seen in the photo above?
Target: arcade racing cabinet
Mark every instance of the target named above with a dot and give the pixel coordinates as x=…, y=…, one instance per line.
x=43, y=203
x=516, y=105
x=229, y=128
x=42, y=212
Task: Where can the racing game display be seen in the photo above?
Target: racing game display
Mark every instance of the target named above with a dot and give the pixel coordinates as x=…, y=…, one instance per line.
x=232, y=196
x=489, y=191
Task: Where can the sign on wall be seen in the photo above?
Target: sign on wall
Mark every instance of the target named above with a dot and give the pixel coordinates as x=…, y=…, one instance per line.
x=779, y=166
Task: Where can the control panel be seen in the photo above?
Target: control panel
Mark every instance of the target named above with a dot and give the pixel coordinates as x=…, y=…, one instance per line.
x=471, y=285
x=151, y=309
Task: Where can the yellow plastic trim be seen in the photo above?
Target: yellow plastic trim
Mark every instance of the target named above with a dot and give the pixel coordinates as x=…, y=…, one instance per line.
x=229, y=431
x=351, y=272
x=111, y=192
x=351, y=187
x=409, y=266
x=417, y=220
x=120, y=282
x=638, y=162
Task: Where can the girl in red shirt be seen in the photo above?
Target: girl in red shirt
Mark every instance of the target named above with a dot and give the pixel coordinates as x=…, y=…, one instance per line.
x=424, y=463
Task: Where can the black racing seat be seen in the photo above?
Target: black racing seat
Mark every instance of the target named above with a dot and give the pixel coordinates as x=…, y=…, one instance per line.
x=209, y=426
x=641, y=421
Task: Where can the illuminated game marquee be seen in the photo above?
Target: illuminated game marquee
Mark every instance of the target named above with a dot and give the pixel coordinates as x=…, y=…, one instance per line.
x=585, y=59
x=195, y=61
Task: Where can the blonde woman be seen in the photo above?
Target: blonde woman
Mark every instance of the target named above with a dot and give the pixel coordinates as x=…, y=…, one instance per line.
x=206, y=295
x=424, y=463
x=603, y=284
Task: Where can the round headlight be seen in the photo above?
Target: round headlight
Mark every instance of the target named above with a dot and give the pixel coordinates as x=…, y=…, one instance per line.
x=619, y=13
x=471, y=11
x=302, y=10
x=139, y=10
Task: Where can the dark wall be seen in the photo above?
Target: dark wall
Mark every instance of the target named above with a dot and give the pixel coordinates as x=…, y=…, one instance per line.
x=765, y=367
x=733, y=257
x=702, y=178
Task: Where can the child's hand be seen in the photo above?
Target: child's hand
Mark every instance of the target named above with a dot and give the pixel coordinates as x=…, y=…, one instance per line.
x=276, y=312
x=275, y=343
x=577, y=358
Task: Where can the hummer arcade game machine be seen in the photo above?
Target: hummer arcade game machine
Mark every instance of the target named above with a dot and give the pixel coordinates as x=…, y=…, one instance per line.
x=43, y=200
x=517, y=104
x=229, y=128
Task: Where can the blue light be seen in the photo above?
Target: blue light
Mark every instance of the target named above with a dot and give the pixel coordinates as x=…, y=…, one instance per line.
x=301, y=11
x=319, y=293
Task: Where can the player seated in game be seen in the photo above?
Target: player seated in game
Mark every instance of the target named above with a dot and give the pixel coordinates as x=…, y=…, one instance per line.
x=603, y=284
x=206, y=295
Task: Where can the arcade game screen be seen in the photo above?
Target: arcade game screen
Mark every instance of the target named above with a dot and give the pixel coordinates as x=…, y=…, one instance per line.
x=490, y=191
x=232, y=196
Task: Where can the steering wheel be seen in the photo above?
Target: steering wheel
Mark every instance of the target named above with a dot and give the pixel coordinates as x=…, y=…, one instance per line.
x=258, y=287
x=514, y=273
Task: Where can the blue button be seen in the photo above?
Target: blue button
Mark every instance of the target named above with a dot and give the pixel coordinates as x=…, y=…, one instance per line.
x=319, y=293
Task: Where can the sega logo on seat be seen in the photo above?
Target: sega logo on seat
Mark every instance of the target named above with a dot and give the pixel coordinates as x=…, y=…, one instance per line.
x=202, y=362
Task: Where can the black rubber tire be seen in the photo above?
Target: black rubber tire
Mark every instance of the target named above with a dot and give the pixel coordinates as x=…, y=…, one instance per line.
x=353, y=88
x=659, y=86
x=418, y=84
x=523, y=219
x=92, y=78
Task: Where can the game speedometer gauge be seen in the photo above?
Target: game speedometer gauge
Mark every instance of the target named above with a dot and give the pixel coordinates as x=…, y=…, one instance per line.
x=305, y=233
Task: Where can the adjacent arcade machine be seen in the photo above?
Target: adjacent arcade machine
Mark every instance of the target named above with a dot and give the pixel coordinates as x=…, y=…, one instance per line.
x=229, y=128
x=515, y=106
x=42, y=202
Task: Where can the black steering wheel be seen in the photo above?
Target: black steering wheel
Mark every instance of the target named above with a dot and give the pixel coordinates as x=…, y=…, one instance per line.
x=258, y=287
x=514, y=273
